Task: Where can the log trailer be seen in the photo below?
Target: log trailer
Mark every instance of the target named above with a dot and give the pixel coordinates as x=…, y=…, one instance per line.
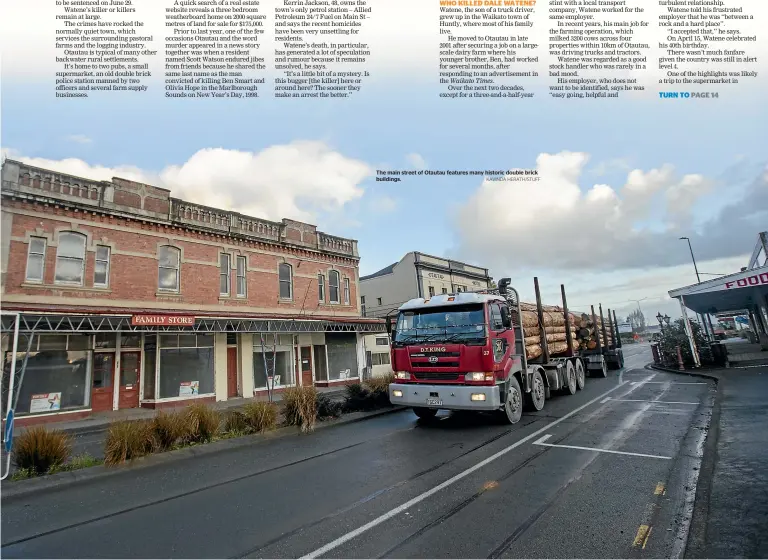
x=466, y=351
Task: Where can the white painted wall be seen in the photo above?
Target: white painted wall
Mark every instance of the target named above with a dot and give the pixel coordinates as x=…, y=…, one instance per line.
x=220, y=365
x=394, y=289
x=245, y=357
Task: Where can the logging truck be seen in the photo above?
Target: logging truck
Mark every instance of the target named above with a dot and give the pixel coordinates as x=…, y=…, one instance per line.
x=467, y=351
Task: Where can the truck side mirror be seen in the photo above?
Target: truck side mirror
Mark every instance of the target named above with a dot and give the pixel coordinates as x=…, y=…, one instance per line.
x=506, y=319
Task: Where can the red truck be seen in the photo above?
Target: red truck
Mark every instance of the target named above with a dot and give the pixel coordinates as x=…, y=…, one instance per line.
x=466, y=351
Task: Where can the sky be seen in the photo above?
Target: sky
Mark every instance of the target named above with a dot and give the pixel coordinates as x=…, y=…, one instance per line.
x=621, y=180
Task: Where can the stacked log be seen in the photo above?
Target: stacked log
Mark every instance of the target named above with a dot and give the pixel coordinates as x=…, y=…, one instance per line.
x=554, y=327
x=588, y=333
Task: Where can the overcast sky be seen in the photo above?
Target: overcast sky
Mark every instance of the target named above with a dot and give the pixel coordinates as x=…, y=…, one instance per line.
x=621, y=180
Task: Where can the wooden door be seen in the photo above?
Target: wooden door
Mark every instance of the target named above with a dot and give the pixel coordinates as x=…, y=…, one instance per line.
x=231, y=372
x=129, y=379
x=306, y=365
x=103, y=381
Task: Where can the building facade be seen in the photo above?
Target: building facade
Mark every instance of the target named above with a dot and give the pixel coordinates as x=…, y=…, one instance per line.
x=417, y=275
x=128, y=297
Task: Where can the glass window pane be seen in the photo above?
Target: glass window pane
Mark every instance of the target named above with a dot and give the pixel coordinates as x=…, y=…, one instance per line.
x=333, y=279
x=241, y=266
x=71, y=245
x=168, y=279
x=79, y=342
x=36, y=245
x=186, y=372
x=131, y=341
x=100, y=273
x=204, y=340
x=169, y=256
x=285, y=290
x=106, y=340
x=223, y=284
x=169, y=340
x=129, y=368
x=102, y=253
x=53, y=342
x=240, y=286
x=334, y=293
x=103, y=364
x=285, y=272
x=35, y=267
x=280, y=364
x=69, y=270
x=150, y=355
x=187, y=340
x=224, y=261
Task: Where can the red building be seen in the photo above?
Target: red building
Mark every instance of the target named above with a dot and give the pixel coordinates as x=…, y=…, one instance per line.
x=128, y=297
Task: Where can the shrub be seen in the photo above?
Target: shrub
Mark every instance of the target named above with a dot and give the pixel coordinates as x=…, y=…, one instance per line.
x=260, y=416
x=128, y=440
x=202, y=422
x=328, y=407
x=79, y=462
x=38, y=449
x=358, y=397
x=379, y=389
x=300, y=407
x=236, y=423
x=169, y=427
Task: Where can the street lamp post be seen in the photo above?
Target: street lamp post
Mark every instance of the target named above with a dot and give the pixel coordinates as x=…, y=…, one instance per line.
x=704, y=320
x=698, y=278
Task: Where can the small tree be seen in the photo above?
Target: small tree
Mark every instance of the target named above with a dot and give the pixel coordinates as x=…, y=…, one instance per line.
x=637, y=320
x=674, y=335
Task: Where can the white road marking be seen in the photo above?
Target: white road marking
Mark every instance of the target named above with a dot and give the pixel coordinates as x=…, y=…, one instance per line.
x=421, y=497
x=540, y=441
x=671, y=383
x=653, y=402
x=606, y=399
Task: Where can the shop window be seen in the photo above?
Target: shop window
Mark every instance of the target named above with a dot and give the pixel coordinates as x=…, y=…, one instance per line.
x=333, y=284
x=381, y=341
x=225, y=270
x=101, y=267
x=231, y=339
x=106, y=340
x=431, y=291
x=150, y=359
x=320, y=287
x=241, y=283
x=445, y=290
x=70, y=258
x=57, y=376
x=272, y=359
x=36, y=259
x=186, y=366
x=321, y=364
x=103, y=369
x=168, y=268
x=342, y=355
x=346, y=291
x=286, y=281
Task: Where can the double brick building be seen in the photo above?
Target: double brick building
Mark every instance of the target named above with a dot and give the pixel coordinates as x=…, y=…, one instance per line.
x=125, y=296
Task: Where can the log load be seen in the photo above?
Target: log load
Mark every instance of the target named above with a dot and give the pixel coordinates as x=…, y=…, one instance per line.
x=589, y=333
x=554, y=327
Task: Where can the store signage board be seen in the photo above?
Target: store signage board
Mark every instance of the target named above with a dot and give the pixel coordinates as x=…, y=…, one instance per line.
x=163, y=320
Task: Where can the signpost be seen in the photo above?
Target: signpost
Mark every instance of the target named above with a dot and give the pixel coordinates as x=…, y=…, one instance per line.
x=8, y=432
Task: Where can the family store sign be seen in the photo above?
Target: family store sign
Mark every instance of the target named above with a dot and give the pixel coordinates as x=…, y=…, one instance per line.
x=163, y=320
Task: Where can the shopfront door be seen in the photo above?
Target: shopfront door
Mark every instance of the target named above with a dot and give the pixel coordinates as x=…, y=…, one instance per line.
x=231, y=372
x=306, y=365
x=129, y=379
x=103, y=381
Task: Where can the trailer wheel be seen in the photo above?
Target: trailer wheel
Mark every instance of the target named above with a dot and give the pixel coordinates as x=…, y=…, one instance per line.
x=513, y=404
x=621, y=358
x=580, y=377
x=570, y=375
x=538, y=391
x=603, y=371
x=425, y=413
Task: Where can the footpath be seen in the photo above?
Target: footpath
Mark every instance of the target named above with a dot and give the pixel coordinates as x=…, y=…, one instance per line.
x=731, y=509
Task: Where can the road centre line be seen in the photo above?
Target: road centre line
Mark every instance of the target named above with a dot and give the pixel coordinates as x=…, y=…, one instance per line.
x=669, y=383
x=652, y=402
x=421, y=497
x=541, y=440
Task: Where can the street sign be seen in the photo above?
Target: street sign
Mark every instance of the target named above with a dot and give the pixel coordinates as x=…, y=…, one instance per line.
x=8, y=435
x=625, y=328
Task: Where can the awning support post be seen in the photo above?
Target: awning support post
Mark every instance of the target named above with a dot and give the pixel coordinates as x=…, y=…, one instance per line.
x=689, y=332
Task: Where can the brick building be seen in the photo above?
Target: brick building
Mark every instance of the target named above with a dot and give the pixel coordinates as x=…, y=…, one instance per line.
x=128, y=297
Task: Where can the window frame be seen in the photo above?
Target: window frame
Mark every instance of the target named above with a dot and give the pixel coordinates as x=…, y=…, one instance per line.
x=280, y=282
x=241, y=259
x=321, y=287
x=347, y=291
x=42, y=257
x=177, y=268
x=331, y=274
x=225, y=271
x=431, y=291
x=84, y=239
x=96, y=260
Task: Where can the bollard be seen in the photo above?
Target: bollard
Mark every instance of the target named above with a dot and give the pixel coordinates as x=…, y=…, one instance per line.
x=680, y=359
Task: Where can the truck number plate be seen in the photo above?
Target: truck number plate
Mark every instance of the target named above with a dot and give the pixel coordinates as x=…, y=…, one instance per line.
x=434, y=402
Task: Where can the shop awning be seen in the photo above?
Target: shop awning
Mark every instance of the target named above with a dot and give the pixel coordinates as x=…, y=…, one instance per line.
x=61, y=323
x=729, y=293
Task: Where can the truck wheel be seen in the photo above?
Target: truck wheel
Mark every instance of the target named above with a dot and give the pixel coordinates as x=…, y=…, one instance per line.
x=570, y=377
x=580, y=377
x=603, y=371
x=513, y=405
x=425, y=413
x=538, y=391
x=621, y=358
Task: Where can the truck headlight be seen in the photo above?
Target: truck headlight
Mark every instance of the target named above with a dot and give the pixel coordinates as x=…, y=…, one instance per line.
x=475, y=376
x=477, y=396
x=397, y=393
x=402, y=375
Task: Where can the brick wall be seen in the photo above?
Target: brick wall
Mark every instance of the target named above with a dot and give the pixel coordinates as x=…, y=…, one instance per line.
x=133, y=277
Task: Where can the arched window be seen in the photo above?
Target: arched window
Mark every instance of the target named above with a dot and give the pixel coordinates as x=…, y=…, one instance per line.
x=70, y=258
x=168, y=268
x=333, y=285
x=286, y=281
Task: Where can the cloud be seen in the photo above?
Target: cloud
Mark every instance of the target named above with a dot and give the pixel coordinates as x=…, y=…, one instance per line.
x=79, y=139
x=383, y=205
x=299, y=180
x=416, y=161
x=554, y=223
x=610, y=166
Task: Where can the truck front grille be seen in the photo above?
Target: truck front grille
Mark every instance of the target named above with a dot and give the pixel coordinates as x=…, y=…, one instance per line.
x=435, y=376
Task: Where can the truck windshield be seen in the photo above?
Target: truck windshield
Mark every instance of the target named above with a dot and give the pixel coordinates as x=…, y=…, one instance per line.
x=447, y=324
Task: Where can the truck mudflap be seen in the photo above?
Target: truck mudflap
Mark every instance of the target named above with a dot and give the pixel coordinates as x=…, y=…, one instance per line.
x=446, y=397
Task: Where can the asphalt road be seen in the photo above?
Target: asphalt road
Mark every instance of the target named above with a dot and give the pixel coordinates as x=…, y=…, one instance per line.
x=608, y=472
